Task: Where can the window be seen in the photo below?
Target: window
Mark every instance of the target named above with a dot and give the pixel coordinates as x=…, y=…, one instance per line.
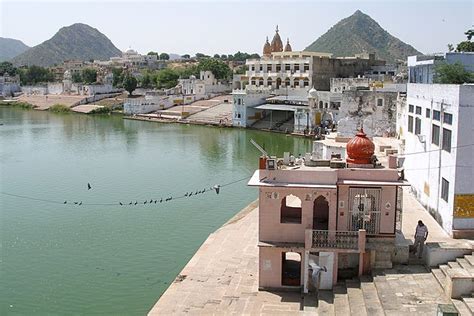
x=444, y=189
x=287, y=67
x=410, y=124
x=297, y=67
x=291, y=268
x=447, y=140
x=252, y=68
x=417, y=126
x=418, y=110
x=269, y=68
x=448, y=118
x=239, y=101
x=278, y=68
x=379, y=102
x=436, y=115
x=428, y=113
x=290, y=211
x=435, y=135
x=411, y=108
x=306, y=67
x=306, y=83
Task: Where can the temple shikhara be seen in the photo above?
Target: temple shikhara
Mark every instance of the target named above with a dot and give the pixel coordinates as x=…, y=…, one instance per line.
x=339, y=214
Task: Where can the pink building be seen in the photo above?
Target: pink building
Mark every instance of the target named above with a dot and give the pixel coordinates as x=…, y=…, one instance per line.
x=337, y=214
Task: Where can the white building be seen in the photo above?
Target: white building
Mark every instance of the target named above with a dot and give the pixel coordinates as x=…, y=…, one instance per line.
x=244, y=102
x=437, y=129
x=206, y=86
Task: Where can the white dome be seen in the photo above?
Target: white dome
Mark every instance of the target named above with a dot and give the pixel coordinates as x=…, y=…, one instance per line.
x=312, y=93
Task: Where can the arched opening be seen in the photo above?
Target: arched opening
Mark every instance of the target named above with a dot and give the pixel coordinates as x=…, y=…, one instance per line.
x=287, y=82
x=252, y=81
x=260, y=81
x=290, y=268
x=321, y=213
x=290, y=211
x=320, y=104
x=269, y=82
x=296, y=83
x=278, y=83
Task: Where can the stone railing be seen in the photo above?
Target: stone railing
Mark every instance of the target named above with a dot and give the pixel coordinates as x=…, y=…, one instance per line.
x=344, y=240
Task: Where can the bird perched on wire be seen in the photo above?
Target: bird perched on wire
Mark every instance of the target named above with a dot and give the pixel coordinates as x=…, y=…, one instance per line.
x=217, y=188
x=65, y=202
x=80, y=203
x=120, y=203
x=89, y=186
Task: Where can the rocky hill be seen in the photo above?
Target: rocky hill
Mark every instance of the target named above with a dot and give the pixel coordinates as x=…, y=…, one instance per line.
x=78, y=41
x=10, y=48
x=359, y=33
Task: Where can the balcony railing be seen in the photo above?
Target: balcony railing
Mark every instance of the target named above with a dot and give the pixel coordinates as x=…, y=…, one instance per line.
x=344, y=240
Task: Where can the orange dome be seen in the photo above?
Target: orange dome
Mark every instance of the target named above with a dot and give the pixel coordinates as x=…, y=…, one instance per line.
x=360, y=149
x=267, y=49
x=288, y=46
x=277, y=45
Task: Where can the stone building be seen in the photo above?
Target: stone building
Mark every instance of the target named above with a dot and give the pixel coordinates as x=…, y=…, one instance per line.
x=322, y=212
x=437, y=125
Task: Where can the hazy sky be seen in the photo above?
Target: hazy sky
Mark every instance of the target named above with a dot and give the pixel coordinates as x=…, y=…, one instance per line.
x=228, y=26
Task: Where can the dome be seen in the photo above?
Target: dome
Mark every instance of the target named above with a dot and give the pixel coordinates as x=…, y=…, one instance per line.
x=312, y=93
x=277, y=45
x=360, y=149
x=288, y=46
x=267, y=49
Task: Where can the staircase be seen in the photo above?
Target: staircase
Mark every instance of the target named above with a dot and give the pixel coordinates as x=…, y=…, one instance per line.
x=457, y=280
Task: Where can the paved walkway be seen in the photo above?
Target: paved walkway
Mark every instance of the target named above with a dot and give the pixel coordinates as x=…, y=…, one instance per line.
x=44, y=102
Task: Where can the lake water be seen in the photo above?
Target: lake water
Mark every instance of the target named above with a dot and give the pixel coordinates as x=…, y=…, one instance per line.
x=109, y=259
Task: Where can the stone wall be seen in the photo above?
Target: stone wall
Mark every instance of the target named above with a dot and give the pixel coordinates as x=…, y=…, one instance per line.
x=374, y=110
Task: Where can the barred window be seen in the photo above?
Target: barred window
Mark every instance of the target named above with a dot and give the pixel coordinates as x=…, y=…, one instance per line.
x=444, y=189
x=435, y=134
x=410, y=124
x=447, y=140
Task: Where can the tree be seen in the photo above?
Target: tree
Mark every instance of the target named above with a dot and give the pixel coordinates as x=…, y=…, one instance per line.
x=117, y=81
x=89, y=75
x=7, y=68
x=220, y=69
x=153, y=53
x=35, y=74
x=129, y=83
x=223, y=56
x=453, y=74
x=164, y=56
x=201, y=55
x=146, y=81
x=465, y=46
x=167, y=78
x=469, y=34
x=76, y=77
x=217, y=56
x=186, y=56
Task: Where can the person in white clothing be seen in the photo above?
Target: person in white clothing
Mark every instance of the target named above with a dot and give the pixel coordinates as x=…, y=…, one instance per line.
x=421, y=233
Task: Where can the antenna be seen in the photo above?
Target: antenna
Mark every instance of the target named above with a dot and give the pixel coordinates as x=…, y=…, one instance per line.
x=259, y=147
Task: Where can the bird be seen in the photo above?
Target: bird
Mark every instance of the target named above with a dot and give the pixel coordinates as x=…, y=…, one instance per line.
x=151, y=201
x=186, y=194
x=156, y=201
x=89, y=186
x=145, y=202
x=65, y=202
x=161, y=200
x=80, y=203
x=120, y=203
x=75, y=203
x=130, y=203
x=190, y=194
x=136, y=202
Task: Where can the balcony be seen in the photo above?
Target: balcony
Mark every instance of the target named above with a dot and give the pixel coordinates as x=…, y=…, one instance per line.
x=343, y=241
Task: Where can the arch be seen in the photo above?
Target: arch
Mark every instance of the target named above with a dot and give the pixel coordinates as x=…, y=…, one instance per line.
x=320, y=104
x=291, y=211
x=321, y=213
x=306, y=82
x=291, y=268
x=287, y=82
x=260, y=81
x=269, y=82
x=278, y=83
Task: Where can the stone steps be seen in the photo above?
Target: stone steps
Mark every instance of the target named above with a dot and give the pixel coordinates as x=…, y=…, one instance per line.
x=371, y=298
x=341, y=301
x=356, y=298
x=457, y=280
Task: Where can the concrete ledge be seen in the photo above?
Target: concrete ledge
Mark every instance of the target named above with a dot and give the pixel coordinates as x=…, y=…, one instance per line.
x=437, y=253
x=463, y=234
x=283, y=288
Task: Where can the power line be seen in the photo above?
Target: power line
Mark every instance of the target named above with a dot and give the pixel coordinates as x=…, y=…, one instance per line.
x=133, y=202
x=424, y=152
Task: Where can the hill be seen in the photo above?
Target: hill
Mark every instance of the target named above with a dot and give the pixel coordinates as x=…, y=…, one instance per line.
x=359, y=33
x=10, y=48
x=78, y=41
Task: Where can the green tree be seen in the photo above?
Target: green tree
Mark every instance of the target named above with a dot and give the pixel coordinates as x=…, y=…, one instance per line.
x=146, y=80
x=220, y=69
x=167, y=78
x=201, y=55
x=453, y=74
x=89, y=75
x=7, y=68
x=129, y=83
x=76, y=77
x=164, y=56
x=223, y=56
x=465, y=46
x=217, y=56
x=35, y=74
x=186, y=56
x=153, y=53
x=117, y=80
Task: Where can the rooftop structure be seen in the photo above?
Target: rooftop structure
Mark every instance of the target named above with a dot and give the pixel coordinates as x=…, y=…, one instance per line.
x=333, y=213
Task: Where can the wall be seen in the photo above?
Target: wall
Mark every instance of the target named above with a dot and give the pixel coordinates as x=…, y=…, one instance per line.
x=243, y=114
x=269, y=275
x=342, y=84
x=359, y=108
x=423, y=170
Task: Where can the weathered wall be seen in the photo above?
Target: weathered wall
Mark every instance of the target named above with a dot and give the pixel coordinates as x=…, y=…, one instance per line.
x=361, y=108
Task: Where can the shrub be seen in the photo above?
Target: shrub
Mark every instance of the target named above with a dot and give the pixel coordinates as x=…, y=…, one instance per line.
x=59, y=108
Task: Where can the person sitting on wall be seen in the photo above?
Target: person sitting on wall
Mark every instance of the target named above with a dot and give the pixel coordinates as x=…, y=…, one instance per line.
x=421, y=234
x=292, y=160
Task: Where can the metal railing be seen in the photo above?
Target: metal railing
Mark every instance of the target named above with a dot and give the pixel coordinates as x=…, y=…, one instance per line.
x=335, y=239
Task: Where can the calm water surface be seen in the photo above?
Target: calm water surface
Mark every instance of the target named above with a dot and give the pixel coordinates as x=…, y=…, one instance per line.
x=66, y=259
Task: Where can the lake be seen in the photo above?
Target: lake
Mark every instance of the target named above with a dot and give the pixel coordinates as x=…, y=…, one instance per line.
x=100, y=257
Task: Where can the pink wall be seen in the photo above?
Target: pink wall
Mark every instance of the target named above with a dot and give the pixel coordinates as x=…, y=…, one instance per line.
x=270, y=266
x=270, y=228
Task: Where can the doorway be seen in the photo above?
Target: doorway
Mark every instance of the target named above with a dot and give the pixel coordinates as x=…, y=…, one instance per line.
x=291, y=268
x=321, y=213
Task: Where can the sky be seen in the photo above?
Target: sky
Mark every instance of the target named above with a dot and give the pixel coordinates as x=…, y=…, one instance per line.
x=225, y=27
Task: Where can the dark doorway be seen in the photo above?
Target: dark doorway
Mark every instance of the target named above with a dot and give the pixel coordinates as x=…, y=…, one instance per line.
x=321, y=213
x=290, y=268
